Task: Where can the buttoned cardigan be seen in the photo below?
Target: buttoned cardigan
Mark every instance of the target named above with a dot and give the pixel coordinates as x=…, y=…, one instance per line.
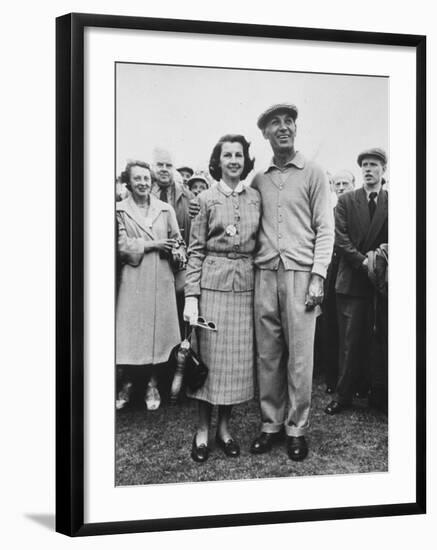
x=297, y=223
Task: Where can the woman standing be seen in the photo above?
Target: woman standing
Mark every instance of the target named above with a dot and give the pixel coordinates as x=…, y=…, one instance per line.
x=219, y=285
x=146, y=319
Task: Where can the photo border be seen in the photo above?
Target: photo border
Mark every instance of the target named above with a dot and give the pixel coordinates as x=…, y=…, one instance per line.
x=70, y=272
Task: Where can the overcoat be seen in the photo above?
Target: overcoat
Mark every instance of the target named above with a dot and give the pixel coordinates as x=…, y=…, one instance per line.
x=146, y=319
x=355, y=235
x=182, y=197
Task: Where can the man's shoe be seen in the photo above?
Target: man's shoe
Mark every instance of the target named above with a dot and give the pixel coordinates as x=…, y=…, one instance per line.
x=297, y=447
x=264, y=442
x=335, y=407
x=229, y=447
x=199, y=453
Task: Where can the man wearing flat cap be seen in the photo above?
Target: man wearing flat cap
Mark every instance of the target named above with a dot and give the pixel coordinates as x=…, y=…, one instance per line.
x=361, y=226
x=295, y=245
x=186, y=173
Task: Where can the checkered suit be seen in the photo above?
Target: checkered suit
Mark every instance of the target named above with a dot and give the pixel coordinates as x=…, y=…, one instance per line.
x=220, y=271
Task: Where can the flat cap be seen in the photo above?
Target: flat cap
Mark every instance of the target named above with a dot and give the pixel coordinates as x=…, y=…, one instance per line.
x=375, y=152
x=287, y=107
x=186, y=169
x=197, y=177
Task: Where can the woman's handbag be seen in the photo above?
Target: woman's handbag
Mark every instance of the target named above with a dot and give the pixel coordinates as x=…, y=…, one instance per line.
x=188, y=368
x=196, y=372
x=177, y=257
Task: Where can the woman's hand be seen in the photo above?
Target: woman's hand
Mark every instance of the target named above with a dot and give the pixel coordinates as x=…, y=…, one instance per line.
x=164, y=244
x=191, y=310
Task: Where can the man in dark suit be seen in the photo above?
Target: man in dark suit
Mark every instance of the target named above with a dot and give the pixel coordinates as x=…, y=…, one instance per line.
x=361, y=225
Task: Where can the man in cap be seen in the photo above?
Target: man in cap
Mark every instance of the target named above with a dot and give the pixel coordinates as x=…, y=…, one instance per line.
x=295, y=246
x=197, y=183
x=186, y=173
x=361, y=226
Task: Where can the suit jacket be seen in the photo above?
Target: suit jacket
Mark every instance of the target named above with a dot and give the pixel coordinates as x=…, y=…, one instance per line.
x=355, y=235
x=222, y=241
x=182, y=197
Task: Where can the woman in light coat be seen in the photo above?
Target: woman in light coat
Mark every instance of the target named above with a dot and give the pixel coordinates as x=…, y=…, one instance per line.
x=146, y=317
x=219, y=286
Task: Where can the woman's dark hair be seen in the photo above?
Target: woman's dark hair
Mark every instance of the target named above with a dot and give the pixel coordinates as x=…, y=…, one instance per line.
x=125, y=175
x=214, y=161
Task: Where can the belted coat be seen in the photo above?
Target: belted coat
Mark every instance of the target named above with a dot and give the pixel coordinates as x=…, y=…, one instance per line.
x=146, y=316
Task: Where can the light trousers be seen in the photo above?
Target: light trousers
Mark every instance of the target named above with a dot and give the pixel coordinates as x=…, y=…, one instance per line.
x=284, y=332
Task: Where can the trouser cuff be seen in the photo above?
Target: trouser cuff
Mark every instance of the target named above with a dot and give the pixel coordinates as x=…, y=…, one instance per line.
x=292, y=431
x=271, y=428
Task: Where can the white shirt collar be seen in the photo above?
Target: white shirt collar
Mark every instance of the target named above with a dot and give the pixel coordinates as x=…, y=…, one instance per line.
x=372, y=191
x=226, y=190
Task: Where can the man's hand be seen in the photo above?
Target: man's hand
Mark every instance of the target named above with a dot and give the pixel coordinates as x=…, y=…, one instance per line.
x=314, y=296
x=365, y=263
x=193, y=208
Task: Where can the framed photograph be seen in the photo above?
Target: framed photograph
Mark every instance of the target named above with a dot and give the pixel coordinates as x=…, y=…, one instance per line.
x=232, y=348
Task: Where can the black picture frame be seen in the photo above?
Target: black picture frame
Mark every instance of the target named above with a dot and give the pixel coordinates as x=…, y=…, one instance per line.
x=70, y=272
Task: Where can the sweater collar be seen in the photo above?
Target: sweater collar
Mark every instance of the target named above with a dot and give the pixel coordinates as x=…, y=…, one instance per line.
x=298, y=161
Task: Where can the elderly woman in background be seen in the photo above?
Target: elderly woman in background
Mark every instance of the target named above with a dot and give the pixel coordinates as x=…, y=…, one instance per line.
x=146, y=317
x=219, y=285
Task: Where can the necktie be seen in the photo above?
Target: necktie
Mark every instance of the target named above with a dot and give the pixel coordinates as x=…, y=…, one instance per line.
x=372, y=204
x=163, y=194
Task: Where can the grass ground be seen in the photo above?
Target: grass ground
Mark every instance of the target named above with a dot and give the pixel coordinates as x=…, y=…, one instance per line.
x=154, y=447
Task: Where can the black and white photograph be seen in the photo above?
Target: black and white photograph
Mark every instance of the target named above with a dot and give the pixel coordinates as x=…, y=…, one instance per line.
x=251, y=300
x=205, y=346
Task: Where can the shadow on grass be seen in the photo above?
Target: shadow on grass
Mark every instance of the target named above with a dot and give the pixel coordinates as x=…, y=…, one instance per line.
x=154, y=447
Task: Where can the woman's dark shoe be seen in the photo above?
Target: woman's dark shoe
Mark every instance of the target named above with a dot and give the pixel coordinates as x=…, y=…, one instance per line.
x=229, y=447
x=199, y=453
x=264, y=442
x=297, y=447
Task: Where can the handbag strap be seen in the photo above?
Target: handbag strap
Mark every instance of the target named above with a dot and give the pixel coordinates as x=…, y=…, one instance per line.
x=188, y=330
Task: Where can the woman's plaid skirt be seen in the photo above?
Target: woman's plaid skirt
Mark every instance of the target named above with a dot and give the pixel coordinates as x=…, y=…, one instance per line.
x=228, y=353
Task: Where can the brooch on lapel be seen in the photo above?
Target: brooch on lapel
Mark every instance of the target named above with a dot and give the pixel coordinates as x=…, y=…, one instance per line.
x=231, y=230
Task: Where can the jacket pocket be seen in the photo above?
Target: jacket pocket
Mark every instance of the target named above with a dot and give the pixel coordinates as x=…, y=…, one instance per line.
x=244, y=275
x=225, y=274
x=255, y=203
x=217, y=274
x=210, y=204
